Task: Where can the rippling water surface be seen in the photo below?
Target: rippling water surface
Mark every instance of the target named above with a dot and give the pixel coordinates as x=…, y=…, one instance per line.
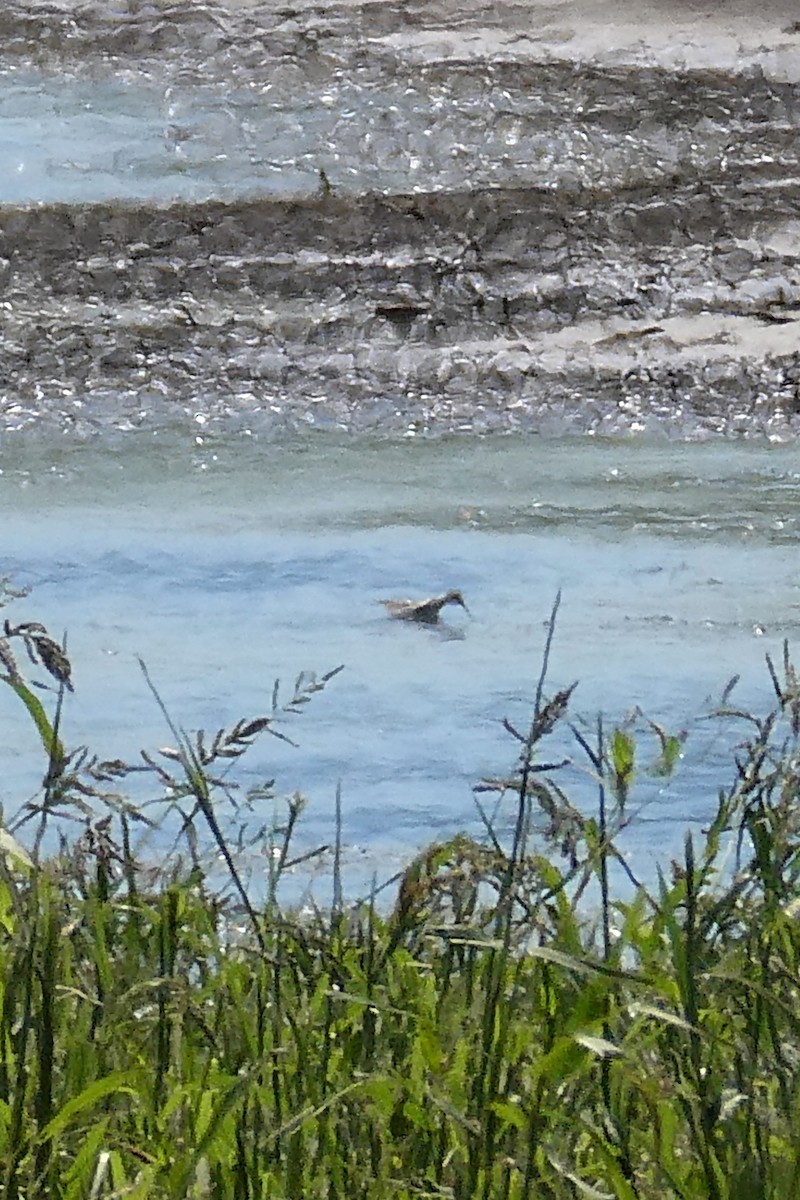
x=227, y=566
x=129, y=136
x=271, y=283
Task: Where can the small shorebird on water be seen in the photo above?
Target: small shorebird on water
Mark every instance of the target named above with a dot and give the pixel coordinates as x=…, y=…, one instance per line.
x=424, y=611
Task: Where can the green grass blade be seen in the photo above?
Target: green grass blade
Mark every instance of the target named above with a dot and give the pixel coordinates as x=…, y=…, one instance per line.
x=51, y=742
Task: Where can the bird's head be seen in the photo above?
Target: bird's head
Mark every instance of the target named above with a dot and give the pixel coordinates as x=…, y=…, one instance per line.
x=456, y=598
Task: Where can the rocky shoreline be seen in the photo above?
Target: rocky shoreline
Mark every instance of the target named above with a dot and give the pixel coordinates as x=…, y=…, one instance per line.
x=642, y=274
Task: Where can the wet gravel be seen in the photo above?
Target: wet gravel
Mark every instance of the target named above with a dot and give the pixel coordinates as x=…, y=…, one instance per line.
x=538, y=245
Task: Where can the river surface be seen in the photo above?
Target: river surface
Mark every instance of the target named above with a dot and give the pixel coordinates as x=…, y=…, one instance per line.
x=303, y=308
x=230, y=564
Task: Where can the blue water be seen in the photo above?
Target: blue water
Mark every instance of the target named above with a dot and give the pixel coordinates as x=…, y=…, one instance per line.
x=126, y=135
x=104, y=139
x=225, y=575
x=225, y=565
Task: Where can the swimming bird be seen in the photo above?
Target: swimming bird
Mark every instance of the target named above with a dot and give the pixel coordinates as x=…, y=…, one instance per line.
x=424, y=611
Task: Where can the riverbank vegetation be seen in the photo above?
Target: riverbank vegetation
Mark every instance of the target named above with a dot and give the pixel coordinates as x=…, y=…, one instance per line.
x=507, y=1025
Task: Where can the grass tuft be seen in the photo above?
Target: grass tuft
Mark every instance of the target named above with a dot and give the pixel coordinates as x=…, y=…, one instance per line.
x=506, y=1026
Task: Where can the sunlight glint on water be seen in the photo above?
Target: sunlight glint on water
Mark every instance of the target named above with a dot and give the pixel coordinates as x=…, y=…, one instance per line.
x=250, y=563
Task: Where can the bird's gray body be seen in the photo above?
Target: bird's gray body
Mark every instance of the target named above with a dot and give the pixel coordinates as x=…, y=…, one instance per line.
x=426, y=612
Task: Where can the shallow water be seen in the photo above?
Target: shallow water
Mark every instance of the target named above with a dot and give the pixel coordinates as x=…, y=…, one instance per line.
x=231, y=236
x=225, y=566
x=157, y=137
x=383, y=218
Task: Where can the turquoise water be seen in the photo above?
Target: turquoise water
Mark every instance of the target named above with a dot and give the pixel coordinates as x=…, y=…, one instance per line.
x=98, y=139
x=176, y=134
x=226, y=562
x=227, y=566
